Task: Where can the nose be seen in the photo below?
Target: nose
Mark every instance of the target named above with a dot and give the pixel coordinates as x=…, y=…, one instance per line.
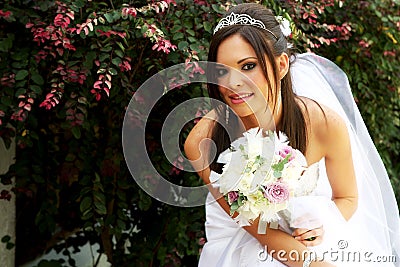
x=235, y=79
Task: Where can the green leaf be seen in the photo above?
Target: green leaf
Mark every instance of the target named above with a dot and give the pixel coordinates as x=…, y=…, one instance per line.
x=207, y=26
x=87, y=214
x=20, y=55
x=85, y=204
x=103, y=57
x=191, y=32
x=188, y=24
x=21, y=74
x=116, y=61
x=36, y=89
x=21, y=84
x=106, y=49
x=70, y=157
x=37, y=79
x=85, y=191
x=217, y=8
x=116, y=15
x=119, y=53
x=178, y=13
x=112, y=71
x=6, y=43
x=76, y=131
x=277, y=174
x=193, y=41
x=97, y=178
x=177, y=36
x=176, y=28
x=241, y=199
x=20, y=91
x=121, y=46
x=109, y=17
x=234, y=207
x=19, y=64
x=194, y=46
x=100, y=208
x=98, y=196
x=6, y=100
x=144, y=201
x=182, y=45
x=89, y=59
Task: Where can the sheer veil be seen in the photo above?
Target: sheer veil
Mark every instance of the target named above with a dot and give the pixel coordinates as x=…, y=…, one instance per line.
x=318, y=78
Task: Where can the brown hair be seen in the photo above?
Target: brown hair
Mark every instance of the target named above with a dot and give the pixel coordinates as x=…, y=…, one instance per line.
x=266, y=47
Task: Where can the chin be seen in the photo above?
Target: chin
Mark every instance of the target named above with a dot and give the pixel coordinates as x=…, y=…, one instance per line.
x=242, y=113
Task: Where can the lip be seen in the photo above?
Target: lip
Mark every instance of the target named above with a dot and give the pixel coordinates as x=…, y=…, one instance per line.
x=239, y=98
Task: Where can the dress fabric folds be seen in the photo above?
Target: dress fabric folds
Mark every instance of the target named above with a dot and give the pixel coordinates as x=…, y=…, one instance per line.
x=370, y=238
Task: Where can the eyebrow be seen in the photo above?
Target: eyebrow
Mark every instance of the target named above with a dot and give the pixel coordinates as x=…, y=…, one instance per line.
x=240, y=61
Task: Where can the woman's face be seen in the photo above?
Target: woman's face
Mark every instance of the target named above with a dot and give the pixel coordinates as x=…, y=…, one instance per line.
x=242, y=83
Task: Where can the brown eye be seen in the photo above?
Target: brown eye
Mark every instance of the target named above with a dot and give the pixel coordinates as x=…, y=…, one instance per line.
x=248, y=66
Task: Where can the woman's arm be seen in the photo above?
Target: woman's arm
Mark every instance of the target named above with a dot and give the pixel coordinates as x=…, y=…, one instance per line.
x=276, y=240
x=335, y=140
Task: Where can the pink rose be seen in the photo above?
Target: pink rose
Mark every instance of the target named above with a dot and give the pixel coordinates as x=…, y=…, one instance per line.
x=232, y=196
x=285, y=151
x=276, y=192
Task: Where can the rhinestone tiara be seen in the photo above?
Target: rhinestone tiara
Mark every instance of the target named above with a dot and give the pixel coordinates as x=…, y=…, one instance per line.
x=241, y=19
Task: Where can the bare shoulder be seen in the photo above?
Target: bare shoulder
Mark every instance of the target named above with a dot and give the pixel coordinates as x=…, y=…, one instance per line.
x=320, y=115
x=325, y=126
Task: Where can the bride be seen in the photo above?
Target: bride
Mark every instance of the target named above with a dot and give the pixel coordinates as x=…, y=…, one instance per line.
x=351, y=218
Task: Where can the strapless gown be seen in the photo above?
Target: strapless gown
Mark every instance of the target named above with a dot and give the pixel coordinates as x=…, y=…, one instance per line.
x=370, y=238
x=346, y=243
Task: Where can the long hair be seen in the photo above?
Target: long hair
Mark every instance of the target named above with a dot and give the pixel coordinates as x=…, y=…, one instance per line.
x=266, y=47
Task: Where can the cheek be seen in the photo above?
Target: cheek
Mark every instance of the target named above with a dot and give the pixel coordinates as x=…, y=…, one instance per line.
x=260, y=86
x=258, y=79
x=224, y=91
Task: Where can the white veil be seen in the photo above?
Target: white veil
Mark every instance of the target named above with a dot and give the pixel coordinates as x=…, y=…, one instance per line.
x=319, y=79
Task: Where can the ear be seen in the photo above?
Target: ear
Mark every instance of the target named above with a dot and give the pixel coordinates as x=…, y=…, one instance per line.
x=283, y=65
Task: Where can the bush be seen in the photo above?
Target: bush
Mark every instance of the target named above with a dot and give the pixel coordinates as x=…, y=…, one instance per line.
x=68, y=71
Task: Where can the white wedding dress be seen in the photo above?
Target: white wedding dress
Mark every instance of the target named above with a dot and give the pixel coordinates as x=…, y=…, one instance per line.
x=370, y=238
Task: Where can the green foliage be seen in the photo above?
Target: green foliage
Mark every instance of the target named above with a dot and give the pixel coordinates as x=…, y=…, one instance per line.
x=362, y=37
x=68, y=70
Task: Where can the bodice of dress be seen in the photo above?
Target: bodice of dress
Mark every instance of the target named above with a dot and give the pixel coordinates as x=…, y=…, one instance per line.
x=228, y=244
x=323, y=187
x=305, y=203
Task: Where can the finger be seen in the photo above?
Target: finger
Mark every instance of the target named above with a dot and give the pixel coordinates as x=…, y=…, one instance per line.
x=310, y=234
x=299, y=231
x=318, y=240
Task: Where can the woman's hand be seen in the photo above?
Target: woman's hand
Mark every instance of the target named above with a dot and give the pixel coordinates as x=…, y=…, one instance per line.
x=309, y=238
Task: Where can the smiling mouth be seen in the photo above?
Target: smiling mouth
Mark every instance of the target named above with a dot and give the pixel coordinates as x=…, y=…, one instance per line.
x=240, y=98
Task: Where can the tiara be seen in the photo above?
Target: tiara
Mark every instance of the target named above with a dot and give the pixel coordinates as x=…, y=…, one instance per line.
x=241, y=19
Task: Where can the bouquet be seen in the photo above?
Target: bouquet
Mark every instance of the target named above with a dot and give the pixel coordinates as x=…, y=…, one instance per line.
x=261, y=174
